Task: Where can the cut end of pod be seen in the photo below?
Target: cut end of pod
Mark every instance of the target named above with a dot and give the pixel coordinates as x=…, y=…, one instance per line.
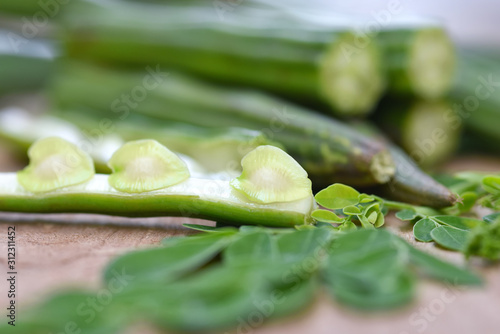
x=430, y=119
x=145, y=165
x=351, y=77
x=270, y=175
x=55, y=163
x=432, y=63
x=382, y=167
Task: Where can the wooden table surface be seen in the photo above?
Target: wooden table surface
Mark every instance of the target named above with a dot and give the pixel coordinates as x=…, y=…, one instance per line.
x=60, y=251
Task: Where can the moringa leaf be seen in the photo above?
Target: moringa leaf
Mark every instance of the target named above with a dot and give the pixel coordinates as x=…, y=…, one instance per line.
x=461, y=223
x=251, y=247
x=484, y=241
x=450, y=237
x=326, y=216
x=491, y=218
x=441, y=270
x=469, y=199
x=301, y=245
x=209, y=229
x=347, y=226
x=491, y=184
x=288, y=299
x=337, y=196
x=364, y=198
x=351, y=210
x=407, y=214
x=214, y=298
x=423, y=228
x=169, y=262
x=368, y=269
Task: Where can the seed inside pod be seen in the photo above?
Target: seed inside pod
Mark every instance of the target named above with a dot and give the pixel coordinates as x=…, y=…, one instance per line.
x=270, y=175
x=145, y=165
x=55, y=163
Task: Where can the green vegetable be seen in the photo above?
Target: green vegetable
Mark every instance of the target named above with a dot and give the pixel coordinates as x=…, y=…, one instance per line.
x=291, y=56
x=24, y=66
x=328, y=150
x=420, y=58
x=475, y=92
x=216, y=149
x=422, y=128
x=409, y=184
x=196, y=197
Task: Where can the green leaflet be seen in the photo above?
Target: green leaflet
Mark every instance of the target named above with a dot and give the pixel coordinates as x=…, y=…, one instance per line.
x=64, y=312
x=210, y=229
x=337, y=196
x=450, y=237
x=303, y=245
x=217, y=297
x=491, y=184
x=326, y=216
x=423, y=228
x=251, y=247
x=372, y=269
x=468, y=201
x=450, y=232
x=441, y=270
x=492, y=217
x=462, y=223
x=367, y=269
x=406, y=214
x=351, y=210
x=291, y=298
x=167, y=263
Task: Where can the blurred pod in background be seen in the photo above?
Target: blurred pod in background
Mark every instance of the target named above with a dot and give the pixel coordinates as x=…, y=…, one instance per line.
x=25, y=65
x=476, y=96
x=429, y=131
x=269, y=49
x=419, y=58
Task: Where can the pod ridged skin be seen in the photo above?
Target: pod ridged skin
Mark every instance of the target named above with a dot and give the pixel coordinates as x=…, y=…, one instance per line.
x=329, y=150
x=264, y=49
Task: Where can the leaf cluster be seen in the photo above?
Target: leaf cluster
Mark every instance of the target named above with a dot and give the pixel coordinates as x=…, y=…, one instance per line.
x=225, y=277
x=346, y=206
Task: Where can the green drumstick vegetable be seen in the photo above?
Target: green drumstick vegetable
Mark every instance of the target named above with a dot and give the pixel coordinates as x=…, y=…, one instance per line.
x=134, y=191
